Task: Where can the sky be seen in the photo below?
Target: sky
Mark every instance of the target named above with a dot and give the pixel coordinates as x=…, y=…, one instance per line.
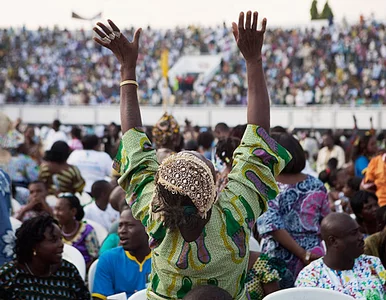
x=171, y=13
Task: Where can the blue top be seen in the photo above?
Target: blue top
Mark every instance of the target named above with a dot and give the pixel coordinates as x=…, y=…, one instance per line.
x=361, y=163
x=118, y=271
x=6, y=233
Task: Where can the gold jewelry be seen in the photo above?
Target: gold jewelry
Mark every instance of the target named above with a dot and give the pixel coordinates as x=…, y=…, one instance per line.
x=112, y=36
x=117, y=34
x=307, y=256
x=125, y=82
x=34, y=253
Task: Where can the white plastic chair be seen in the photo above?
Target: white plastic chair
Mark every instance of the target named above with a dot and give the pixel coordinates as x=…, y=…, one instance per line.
x=100, y=231
x=141, y=295
x=91, y=275
x=51, y=200
x=254, y=245
x=120, y=296
x=15, y=223
x=73, y=255
x=308, y=293
x=15, y=206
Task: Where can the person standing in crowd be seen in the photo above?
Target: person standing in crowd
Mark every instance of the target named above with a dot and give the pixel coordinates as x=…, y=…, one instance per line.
x=195, y=236
x=365, y=148
x=365, y=205
x=37, y=204
x=375, y=178
x=290, y=227
x=375, y=244
x=76, y=137
x=344, y=268
x=54, y=135
x=58, y=175
x=33, y=144
x=100, y=210
x=329, y=151
x=22, y=168
x=166, y=136
x=112, y=139
x=126, y=268
x=205, y=144
x=38, y=271
x=93, y=164
x=6, y=233
x=221, y=131
x=76, y=233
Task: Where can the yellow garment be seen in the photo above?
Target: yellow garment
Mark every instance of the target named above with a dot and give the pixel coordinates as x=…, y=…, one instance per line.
x=220, y=255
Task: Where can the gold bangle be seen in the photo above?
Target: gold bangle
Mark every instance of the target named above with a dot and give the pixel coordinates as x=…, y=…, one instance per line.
x=129, y=82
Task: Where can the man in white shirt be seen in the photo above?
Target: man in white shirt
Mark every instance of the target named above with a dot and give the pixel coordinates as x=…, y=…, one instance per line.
x=330, y=150
x=54, y=135
x=93, y=164
x=100, y=210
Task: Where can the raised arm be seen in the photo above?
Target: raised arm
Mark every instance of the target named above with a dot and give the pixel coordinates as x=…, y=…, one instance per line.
x=250, y=41
x=127, y=53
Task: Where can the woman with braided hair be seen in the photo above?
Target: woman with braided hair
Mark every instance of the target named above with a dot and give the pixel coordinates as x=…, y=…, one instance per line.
x=196, y=237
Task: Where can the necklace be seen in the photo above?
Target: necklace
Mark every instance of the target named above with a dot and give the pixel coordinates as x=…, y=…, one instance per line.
x=30, y=271
x=73, y=232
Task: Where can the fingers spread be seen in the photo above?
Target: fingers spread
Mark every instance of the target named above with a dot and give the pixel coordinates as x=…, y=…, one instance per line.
x=235, y=31
x=100, y=33
x=113, y=26
x=248, y=21
x=241, y=21
x=254, y=23
x=102, y=43
x=105, y=28
x=137, y=34
x=264, y=25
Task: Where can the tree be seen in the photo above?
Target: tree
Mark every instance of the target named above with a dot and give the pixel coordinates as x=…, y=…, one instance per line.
x=327, y=12
x=314, y=10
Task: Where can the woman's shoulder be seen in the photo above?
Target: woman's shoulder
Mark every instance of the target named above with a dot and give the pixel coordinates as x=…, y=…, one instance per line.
x=65, y=265
x=8, y=271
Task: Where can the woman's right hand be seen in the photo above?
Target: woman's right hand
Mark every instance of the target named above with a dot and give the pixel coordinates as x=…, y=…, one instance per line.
x=126, y=52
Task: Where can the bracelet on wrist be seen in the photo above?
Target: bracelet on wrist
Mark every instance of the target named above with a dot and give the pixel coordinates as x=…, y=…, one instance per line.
x=127, y=82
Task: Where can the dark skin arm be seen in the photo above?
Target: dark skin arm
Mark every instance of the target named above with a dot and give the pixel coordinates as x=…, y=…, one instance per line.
x=250, y=41
x=127, y=53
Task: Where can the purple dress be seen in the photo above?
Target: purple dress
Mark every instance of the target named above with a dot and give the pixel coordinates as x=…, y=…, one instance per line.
x=299, y=209
x=85, y=241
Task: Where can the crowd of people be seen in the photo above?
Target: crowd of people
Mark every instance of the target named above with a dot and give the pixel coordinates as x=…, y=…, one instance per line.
x=182, y=204
x=340, y=64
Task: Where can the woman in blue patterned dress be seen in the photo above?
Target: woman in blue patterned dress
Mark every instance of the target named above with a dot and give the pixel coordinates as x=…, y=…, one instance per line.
x=291, y=225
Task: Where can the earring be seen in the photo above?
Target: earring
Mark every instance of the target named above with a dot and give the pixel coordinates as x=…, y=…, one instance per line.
x=34, y=253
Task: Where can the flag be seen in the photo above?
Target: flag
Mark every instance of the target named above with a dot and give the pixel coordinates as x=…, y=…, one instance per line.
x=76, y=16
x=165, y=63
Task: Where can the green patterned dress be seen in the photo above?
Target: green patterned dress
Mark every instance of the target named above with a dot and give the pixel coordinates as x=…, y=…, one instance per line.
x=220, y=255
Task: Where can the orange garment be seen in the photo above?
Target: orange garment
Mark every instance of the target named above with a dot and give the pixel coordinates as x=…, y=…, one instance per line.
x=376, y=173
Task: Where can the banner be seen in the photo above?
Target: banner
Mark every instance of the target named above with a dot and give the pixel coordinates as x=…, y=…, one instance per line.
x=165, y=63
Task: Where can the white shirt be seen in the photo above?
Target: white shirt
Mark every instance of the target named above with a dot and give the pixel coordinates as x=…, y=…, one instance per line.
x=325, y=155
x=93, y=165
x=54, y=136
x=102, y=217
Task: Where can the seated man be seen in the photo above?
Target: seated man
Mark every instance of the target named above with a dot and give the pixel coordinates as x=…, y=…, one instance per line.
x=126, y=268
x=100, y=210
x=344, y=268
x=37, y=204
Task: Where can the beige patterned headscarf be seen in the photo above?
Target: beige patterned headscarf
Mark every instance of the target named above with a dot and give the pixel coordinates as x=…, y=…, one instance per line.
x=186, y=174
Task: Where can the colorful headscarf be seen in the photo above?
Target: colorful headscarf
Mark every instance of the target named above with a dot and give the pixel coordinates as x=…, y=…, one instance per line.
x=186, y=174
x=165, y=130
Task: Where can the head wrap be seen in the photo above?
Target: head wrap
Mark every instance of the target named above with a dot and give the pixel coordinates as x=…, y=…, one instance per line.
x=165, y=130
x=186, y=174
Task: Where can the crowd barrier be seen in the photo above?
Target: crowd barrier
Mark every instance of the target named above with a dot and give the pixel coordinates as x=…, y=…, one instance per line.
x=317, y=117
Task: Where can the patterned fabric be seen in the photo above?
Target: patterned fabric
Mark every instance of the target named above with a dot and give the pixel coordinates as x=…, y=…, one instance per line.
x=365, y=281
x=299, y=209
x=220, y=255
x=68, y=180
x=264, y=271
x=165, y=130
x=85, y=241
x=18, y=284
x=23, y=169
x=373, y=242
x=7, y=237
